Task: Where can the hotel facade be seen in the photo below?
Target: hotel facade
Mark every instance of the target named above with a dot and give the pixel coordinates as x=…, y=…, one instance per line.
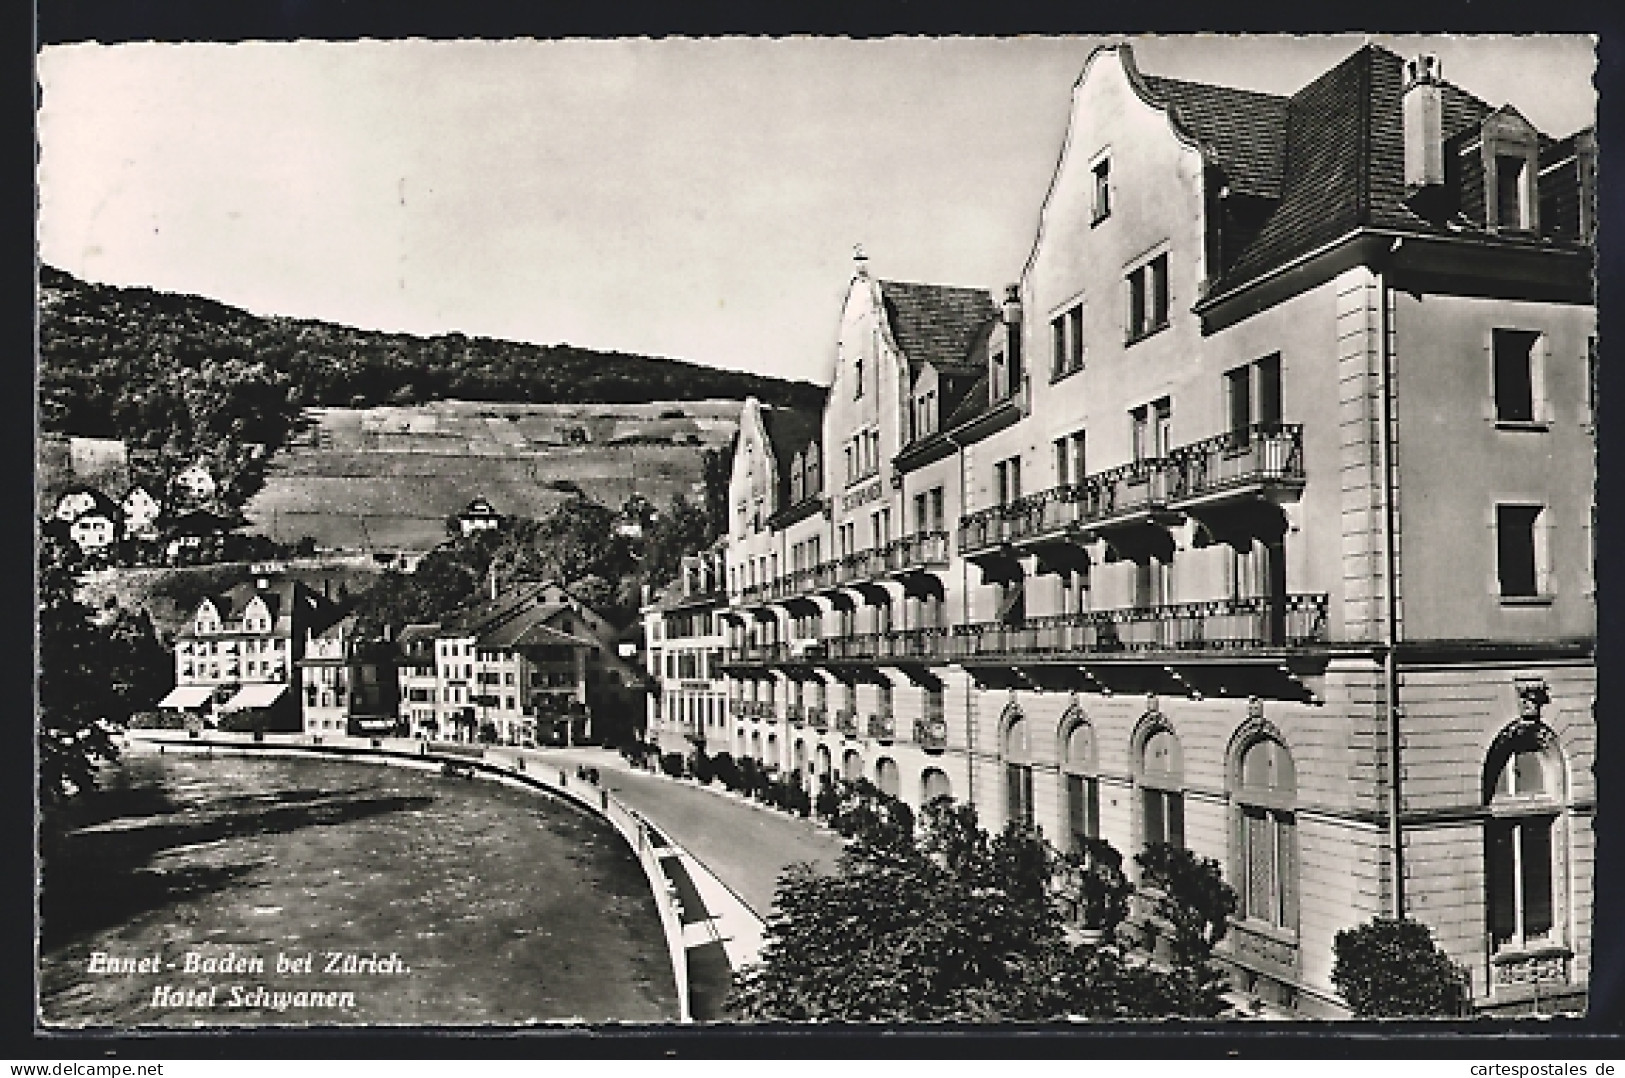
x=1255, y=517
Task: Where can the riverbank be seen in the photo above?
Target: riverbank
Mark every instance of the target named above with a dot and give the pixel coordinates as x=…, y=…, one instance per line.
x=502, y=908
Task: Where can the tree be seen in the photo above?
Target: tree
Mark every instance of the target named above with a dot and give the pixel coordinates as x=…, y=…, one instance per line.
x=1393, y=969
x=92, y=675
x=1192, y=906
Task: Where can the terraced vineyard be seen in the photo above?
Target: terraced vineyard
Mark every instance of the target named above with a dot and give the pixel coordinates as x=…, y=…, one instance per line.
x=387, y=478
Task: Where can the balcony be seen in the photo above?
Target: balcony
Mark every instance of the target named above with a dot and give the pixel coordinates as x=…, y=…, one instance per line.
x=883, y=726
x=921, y=552
x=796, y=714
x=753, y=654
x=818, y=719
x=1223, y=625
x=931, y=733
x=846, y=721
x=1263, y=460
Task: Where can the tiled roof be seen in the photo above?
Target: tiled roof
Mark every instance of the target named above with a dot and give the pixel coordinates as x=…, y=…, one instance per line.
x=977, y=401
x=789, y=431
x=936, y=323
x=1245, y=129
x=411, y=634
x=1343, y=162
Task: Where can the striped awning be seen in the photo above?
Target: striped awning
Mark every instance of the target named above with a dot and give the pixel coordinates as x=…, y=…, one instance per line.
x=184, y=696
x=258, y=695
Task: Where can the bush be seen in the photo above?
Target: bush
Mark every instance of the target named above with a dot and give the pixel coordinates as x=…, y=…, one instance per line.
x=1191, y=910
x=158, y=720
x=1094, y=885
x=242, y=722
x=1394, y=969
x=726, y=770
x=700, y=766
x=672, y=764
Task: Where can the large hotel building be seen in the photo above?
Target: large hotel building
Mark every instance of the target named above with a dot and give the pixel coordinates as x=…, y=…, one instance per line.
x=1255, y=517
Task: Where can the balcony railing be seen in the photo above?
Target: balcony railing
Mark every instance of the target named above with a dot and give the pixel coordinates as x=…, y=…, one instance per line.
x=818, y=719
x=925, y=550
x=796, y=714
x=1219, y=625
x=883, y=726
x=1261, y=453
x=846, y=721
x=931, y=733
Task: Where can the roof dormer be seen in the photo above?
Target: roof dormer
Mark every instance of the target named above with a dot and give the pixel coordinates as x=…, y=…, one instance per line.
x=208, y=617
x=1511, y=163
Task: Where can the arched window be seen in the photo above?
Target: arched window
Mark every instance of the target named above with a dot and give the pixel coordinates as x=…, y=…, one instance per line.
x=1082, y=785
x=851, y=765
x=1162, y=796
x=824, y=762
x=887, y=777
x=1266, y=791
x=756, y=744
x=800, y=755
x=1018, y=768
x=934, y=784
x=1524, y=839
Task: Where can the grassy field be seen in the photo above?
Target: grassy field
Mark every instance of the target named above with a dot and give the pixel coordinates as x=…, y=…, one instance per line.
x=387, y=478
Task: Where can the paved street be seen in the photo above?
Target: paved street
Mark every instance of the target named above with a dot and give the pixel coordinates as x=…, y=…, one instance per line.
x=744, y=846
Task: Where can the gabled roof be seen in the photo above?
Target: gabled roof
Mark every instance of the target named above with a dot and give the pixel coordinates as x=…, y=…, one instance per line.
x=102, y=503
x=936, y=323
x=976, y=401
x=415, y=633
x=789, y=431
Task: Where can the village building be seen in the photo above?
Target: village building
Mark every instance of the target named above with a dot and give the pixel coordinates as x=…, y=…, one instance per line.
x=140, y=512
x=1172, y=541
x=520, y=668
x=683, y=630
x=349, y=683
x=241, y=651
x=478, y=516
x=194, y=484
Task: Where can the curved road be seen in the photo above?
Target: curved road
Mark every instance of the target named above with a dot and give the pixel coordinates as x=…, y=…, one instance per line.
x=745, y=845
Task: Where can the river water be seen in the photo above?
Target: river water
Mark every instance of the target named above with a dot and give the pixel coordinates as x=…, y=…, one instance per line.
x=317, y=892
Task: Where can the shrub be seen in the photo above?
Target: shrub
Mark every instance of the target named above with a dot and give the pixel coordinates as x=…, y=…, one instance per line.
x=488, y=733
x=672, y=764
x=158, y=720
x=1094, y=885
x=726, y=770
x=828, y=802
x=1394, y=969
x=1192, y=906
x=701, y=767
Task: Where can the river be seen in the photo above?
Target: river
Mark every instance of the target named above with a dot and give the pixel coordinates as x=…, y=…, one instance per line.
x=316, y=892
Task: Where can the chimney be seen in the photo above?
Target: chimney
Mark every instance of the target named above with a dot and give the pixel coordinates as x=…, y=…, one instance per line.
x=1012, y=306
x=262, y=583
x=1423, y=108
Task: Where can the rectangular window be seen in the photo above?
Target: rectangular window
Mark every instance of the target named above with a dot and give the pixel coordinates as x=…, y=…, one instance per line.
x=1510, y=205
x=1066, y=331
x=1164, y=816
x=1269, y=391
x=1137, y=326
x=1159, y=292
x=1082, y=808
x=1018, y=779
x=1518, y=563
x=938, y=511
x=1515, y=374
x=1518, y=864
x=1163, y=432
x=1057, y=329
x=1238, y=391
x=1140, y=428
x=1103, y=190
x=1063, y=464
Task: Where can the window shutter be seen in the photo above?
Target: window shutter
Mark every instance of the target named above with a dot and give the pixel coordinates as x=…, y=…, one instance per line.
x=1500, y=886
x=1176, y=819
x=1289, y=872
x=1544, y=583
x=1540, y=362
x=1535, y=837
x=1488, y=399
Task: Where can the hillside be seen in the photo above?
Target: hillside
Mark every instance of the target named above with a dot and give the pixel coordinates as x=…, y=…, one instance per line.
x=112, y=359
x=387, y=478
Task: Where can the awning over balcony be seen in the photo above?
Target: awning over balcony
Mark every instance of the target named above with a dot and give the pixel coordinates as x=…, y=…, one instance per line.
x=185, y=696
x=255, y=696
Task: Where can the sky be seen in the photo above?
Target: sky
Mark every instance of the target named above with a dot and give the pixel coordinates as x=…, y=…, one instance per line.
x=697, y=199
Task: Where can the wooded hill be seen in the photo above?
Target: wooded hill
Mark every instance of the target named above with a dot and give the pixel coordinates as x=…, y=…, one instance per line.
x=130, y=362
